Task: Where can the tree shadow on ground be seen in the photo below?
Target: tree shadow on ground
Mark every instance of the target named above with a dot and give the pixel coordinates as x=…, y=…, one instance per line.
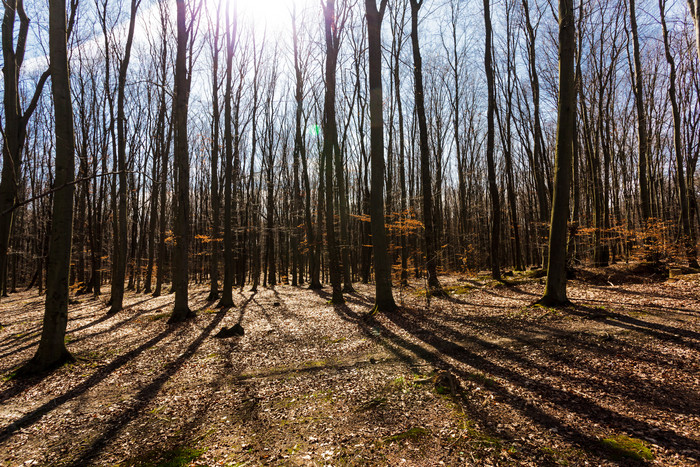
x=144, y=396
x=540, y=393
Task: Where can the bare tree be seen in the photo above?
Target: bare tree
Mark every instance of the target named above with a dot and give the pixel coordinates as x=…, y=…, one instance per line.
x=688, y=237
x=555, y=290
x=120, y=235
x=52, y=348
x=14, y=132
x=384, y=300
x=490, y=143
x=181, y=234
x=428, y=223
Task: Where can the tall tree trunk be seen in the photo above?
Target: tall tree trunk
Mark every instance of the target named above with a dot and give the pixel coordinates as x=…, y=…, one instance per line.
x=297, y=276
x=683, y=195
x=52, y=348
x=538, y=156
x=490, y=143
x=227, y=291
x=434, y=287
x=384, y=299
x=214, y=247
x=15, y=122
x=120, y=250
x=642, y=138
x=181, y=310
x=329, y=129
x=402, y=146
x=555, y=290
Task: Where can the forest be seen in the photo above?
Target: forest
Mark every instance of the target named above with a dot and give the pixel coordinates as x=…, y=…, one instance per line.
x=350, y=232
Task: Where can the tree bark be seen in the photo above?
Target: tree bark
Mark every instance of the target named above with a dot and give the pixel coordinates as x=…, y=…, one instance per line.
x=434, y=287
x=683, y=194
x=384, y=299
x=181, y=310
x=227, y=290
x=15, y=129
x=52, y=348
x=490, y=143
x=121, y=233
x=214, y=247
x=642, y=138
x=329, y=129
x=555, y=290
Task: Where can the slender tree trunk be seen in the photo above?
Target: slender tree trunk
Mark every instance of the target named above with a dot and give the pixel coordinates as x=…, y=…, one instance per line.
x=694, y=6
x=384, y=300
x=490, y=143
x=52, y=348
x=214, y=247
x=538, y=156
x=153, y=219
x=120, y=251
x=642, y=138
x=15, y=121
x=297, y=277
x=227, y=291
x=555, y=290
x=329, y=129
x=181, y=310
x=402, y=146
x=683, y=195
x=428, y=224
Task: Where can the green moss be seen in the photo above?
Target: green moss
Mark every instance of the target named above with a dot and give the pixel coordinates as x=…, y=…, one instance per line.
x=330, y=340
x=158, y=316
x=625, y=446
x=482, y=379
x=372, y=404
x=180, y=456
x=413, y=433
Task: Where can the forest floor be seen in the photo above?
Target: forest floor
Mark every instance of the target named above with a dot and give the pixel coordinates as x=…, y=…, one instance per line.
x=478, y=378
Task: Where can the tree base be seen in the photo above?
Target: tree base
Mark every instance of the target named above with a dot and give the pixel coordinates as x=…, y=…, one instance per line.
x=552, y=302
x=37, y=366
x=383, y=306
x=315, y=286
x=180, y=316
x=437, y=292
x=348, y=288
x=213, y=296
x=115, y=309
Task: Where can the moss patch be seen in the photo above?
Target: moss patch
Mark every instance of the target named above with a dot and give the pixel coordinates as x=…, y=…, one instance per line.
x=413, y=433
x=624, y=446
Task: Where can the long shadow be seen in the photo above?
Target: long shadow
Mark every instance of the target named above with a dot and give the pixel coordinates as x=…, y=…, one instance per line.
x=103, y=318
x=571, y=402
x=657, y=330
x=404, y=348
x=623, y=290
x=118, y=324
x=144, y=396
x=354, y=298
x=104, y=372
x=640, y=390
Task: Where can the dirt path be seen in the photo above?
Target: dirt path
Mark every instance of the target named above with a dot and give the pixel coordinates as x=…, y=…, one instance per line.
x=312, y=384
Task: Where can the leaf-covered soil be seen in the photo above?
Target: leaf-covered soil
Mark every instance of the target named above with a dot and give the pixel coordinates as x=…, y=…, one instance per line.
x=477, y=378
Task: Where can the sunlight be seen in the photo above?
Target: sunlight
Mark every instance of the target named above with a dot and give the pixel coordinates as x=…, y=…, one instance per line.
x=274, y=14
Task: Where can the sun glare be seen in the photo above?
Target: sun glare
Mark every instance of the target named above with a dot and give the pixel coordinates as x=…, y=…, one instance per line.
x=274, y=14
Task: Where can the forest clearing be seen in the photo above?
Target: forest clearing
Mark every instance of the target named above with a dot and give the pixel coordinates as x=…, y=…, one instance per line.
x=612, y=380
